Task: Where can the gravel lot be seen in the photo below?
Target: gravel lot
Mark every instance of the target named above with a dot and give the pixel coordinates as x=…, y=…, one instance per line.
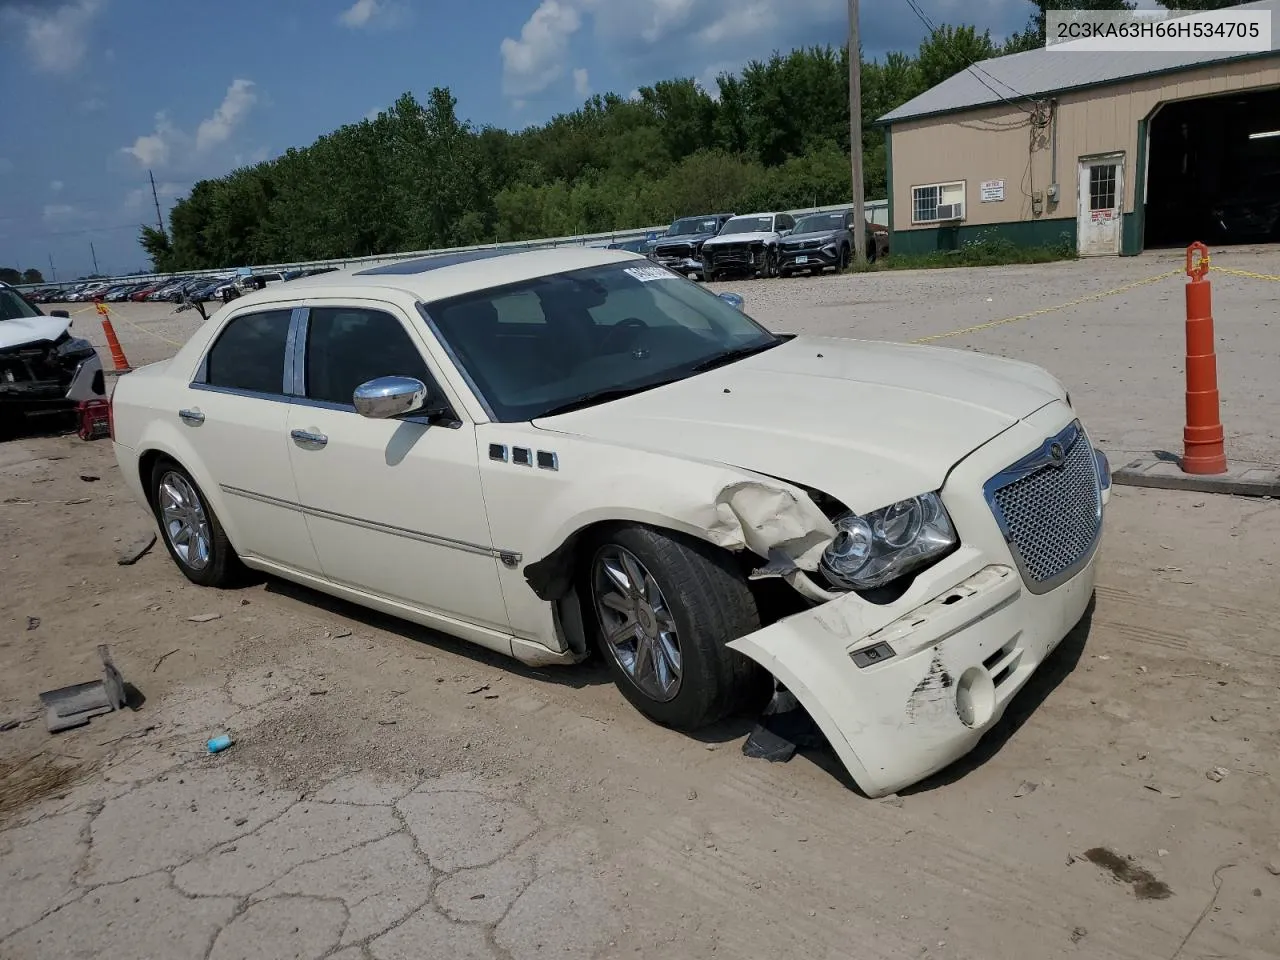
x=394, y=794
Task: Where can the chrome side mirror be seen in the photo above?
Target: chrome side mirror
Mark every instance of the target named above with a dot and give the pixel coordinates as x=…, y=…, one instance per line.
x=734, y=300
x=388, y=397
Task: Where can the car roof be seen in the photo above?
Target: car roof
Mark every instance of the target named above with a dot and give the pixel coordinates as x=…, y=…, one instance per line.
x=446, y=275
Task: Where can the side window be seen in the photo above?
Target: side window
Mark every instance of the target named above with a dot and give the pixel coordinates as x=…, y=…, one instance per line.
x=249, y=353
x=348, y=346
x=785, y=222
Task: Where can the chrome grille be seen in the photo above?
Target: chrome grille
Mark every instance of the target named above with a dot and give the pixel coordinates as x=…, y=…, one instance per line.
x=1050, y=513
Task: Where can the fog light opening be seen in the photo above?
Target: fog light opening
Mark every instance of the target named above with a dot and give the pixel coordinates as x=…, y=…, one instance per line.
x=975, y=697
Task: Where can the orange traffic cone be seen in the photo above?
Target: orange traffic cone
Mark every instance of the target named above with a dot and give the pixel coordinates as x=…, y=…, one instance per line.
x=117, y=354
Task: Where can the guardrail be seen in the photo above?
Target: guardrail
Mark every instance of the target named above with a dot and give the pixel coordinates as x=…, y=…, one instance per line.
x=877, y=212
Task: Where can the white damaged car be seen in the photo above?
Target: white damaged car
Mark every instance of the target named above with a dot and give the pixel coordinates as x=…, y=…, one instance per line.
x=548, y=452
x=43, y=368
x=746, y=245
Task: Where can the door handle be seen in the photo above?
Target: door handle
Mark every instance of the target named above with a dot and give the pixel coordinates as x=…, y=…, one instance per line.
x=191, y=416
x=306, y=436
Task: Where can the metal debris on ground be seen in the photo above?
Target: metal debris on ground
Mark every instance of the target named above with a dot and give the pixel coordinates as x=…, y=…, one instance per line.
x=75, y=705
x=784, y=728
x=136, y=550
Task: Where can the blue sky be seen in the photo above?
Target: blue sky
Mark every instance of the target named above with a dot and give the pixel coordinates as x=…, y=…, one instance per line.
x=99, y=91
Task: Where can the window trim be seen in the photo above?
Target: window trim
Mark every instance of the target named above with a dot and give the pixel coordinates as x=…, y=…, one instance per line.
x=940, y=185
x=201, y=379
x=298, y=388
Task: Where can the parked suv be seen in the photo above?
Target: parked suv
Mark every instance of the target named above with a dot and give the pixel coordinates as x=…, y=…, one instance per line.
x=680, y=248
x=746, y=245
x=822, y=240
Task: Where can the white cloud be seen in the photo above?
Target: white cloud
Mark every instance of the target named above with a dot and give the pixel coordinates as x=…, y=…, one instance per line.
x=536, y=60
x=359, y=13
x=154, y=149
x=56, y=34
x=66, y=214
x=170, y=144
x=581, y=82
x=55, y=186
x=370, y=13
x=235, y=106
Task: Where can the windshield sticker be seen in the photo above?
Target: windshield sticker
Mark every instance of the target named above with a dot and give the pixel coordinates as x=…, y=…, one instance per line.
x=645, y=274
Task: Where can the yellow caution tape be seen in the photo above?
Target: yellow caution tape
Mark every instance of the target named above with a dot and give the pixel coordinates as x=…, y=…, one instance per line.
x=1247, y=273
x=103, y=309
x=1041, y=312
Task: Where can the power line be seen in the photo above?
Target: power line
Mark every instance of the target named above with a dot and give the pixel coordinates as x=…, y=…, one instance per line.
x=972, y=66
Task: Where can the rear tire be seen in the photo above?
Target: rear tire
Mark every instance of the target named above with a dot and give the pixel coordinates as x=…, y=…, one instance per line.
x=668, y=652
x=191, y=531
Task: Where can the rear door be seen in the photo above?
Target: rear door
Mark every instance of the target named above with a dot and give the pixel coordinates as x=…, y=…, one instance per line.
x=233, y=415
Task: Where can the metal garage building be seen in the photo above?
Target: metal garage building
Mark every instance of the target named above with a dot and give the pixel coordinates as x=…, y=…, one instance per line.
x=1113, y=152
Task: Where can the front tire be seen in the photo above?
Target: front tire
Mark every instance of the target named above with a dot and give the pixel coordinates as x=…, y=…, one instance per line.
x=665, y=608
x=191, y=531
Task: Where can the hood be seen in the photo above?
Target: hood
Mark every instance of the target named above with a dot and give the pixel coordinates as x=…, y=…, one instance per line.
x=804, y=237
x=722, y=238
x=17, y=333
x=866, y=422
x=684, y=238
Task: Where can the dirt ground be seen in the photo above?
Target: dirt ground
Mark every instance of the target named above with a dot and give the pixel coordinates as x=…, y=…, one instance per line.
x=392, y=793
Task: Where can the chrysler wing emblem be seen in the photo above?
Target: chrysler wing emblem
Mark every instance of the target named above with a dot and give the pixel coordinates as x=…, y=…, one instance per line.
x=1057, y=455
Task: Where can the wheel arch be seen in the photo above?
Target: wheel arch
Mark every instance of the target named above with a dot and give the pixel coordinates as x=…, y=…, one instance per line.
x=154, y=451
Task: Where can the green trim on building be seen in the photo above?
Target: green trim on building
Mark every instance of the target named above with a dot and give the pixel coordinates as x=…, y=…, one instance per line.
x=1025, y=233
x=1135, y=224
x=888, y=174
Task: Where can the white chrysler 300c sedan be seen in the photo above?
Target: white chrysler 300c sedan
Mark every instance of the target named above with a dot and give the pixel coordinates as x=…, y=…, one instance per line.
x=546, y=451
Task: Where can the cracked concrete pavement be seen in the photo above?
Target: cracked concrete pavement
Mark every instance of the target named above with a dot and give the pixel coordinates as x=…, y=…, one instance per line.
x=203, y=862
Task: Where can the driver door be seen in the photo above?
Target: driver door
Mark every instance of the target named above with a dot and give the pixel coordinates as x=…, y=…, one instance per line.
x=394, y=506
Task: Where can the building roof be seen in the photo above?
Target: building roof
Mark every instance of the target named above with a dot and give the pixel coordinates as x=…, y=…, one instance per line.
x=1039, y=72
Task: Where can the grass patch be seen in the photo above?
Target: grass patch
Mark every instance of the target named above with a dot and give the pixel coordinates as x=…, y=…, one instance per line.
x=26, y=782
x=985, y=250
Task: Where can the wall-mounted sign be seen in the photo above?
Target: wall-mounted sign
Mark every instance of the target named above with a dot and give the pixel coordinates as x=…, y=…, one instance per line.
x=992, y=191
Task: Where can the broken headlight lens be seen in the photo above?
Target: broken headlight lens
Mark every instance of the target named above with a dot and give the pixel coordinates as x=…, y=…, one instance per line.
x=872, y=550
x=75, y=347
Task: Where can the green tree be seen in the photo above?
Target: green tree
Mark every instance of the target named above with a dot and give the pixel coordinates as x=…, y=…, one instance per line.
x=1035, y=29
x=948, y=50
x=10, y=275
x=32, y=275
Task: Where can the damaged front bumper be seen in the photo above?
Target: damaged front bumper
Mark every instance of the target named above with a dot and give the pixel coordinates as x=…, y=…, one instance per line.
x=901, y=690
x=40, y=378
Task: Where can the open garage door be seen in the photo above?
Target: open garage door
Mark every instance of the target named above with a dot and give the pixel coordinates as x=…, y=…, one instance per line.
x=1213, y=171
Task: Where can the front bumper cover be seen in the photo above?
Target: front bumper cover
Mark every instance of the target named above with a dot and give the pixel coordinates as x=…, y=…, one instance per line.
x=902, y=690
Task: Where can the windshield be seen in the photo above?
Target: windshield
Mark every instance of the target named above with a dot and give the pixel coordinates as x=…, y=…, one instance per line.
x=682, y=228
x=13, y=307
x=536, y=346
x=819, y=223
x=749, y=225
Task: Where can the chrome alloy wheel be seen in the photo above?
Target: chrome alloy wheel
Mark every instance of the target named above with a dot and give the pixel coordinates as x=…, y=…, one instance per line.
x=186, y=526
x=638, y=627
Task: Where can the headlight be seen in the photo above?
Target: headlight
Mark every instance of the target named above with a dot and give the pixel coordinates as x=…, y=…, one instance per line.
x=75, y=347
x=870, y=551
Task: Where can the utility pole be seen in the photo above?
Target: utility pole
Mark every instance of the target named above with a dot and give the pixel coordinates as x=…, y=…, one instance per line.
x=53, y=269
x=159, y=218
x=855, y=135
x=95, y=256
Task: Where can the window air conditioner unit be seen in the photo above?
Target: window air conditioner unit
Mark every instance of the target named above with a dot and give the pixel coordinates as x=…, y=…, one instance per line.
x=951, y=211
